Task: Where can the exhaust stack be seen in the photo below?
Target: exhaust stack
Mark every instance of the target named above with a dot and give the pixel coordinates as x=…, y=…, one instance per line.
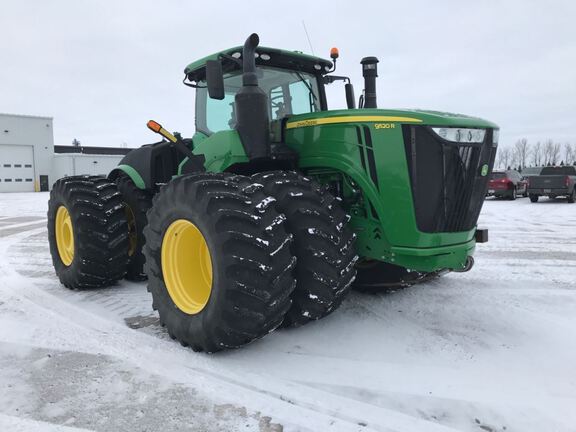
x=370, y=73
x=251, y=103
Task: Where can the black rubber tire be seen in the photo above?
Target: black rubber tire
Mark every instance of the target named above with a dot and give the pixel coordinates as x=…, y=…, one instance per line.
x=572, y=197
x=252, y=263
x=139, y=201
x=513, y=194
x=373, y=276
x=324, y=245
x=533, y=198
x=100, y=231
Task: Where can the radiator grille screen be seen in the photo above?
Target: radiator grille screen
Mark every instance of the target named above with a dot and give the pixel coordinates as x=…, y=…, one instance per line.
x=447, y=186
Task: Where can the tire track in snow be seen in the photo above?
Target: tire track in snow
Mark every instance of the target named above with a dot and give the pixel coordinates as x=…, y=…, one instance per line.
x=113, y=337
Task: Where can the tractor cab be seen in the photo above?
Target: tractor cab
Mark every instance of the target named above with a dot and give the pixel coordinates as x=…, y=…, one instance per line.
x=287, y=83
x=293, y=83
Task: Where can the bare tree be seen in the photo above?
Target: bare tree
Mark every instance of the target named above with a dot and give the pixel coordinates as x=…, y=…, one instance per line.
x=547, y=152
x=498, y=160
x=569, y=155
x=521, y=150
x=503, y=157
x=537, y=154
x=514, y=157
x=555, y=154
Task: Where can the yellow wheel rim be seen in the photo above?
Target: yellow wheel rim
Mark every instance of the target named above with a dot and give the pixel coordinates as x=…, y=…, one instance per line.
x=64, y=236
x=132, y=231
x=186, y=266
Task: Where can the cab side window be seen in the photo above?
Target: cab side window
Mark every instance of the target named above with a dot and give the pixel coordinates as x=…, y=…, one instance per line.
x=220, y=114
x=291, y=99
x=213, y=115
x=302, y=102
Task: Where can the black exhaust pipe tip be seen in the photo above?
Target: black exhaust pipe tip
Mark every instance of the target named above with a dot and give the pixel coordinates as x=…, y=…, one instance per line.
x=249, y=77
x=253, y=40
x=370, y=73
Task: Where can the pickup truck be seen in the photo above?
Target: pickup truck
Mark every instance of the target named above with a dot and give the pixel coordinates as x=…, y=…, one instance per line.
x=553, y=182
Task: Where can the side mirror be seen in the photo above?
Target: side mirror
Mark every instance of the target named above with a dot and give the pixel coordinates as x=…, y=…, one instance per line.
x=350, y=100
x=215, y=79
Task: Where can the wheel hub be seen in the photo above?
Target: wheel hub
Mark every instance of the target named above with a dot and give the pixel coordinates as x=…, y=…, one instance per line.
x=132, y=230
x=186, y=266
x=64, y=236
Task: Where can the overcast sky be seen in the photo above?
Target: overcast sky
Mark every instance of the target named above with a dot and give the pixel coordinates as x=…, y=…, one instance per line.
x=103, y=69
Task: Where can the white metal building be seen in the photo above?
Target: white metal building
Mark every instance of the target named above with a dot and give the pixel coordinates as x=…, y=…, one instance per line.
x=26, y=149
x=29, y=160
x=69, y=160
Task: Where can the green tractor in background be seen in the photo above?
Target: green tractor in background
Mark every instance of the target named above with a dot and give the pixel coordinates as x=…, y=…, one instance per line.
x=277, y=206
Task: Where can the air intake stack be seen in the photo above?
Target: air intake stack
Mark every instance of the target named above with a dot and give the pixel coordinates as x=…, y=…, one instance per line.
x=370, y=73
x=251, y=102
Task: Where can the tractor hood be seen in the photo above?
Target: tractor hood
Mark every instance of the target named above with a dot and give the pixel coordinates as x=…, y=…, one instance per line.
x=435, y=182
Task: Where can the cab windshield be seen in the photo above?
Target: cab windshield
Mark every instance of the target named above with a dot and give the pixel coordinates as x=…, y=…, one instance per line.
x=289, y=93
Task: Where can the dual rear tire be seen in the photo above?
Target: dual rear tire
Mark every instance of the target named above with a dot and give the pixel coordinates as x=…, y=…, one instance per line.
x=87, y=232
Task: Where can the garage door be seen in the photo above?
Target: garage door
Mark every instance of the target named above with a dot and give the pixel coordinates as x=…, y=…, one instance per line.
x=16, y=168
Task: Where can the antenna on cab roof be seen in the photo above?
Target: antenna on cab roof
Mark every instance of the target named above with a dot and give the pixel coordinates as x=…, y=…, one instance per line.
x=308, y=37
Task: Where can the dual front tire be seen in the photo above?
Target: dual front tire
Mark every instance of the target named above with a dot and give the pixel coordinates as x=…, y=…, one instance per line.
x=276, y=250
x=323, y=243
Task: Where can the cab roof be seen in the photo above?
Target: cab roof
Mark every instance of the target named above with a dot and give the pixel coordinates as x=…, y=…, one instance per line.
x=294, y=60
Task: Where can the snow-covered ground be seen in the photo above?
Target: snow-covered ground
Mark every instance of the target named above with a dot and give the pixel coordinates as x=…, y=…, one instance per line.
x=490, y=350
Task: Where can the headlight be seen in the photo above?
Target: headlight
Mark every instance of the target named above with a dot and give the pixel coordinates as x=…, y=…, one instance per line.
x=495, y=136
x=460, y=135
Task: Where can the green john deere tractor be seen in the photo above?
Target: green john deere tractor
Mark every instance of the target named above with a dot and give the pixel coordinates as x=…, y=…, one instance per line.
x=277, y=205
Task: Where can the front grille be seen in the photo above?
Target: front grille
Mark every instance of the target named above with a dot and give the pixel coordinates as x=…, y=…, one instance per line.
x=447, y=186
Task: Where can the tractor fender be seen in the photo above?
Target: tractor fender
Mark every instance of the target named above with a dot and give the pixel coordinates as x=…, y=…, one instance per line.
x=130, y=172
x=149, y=165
